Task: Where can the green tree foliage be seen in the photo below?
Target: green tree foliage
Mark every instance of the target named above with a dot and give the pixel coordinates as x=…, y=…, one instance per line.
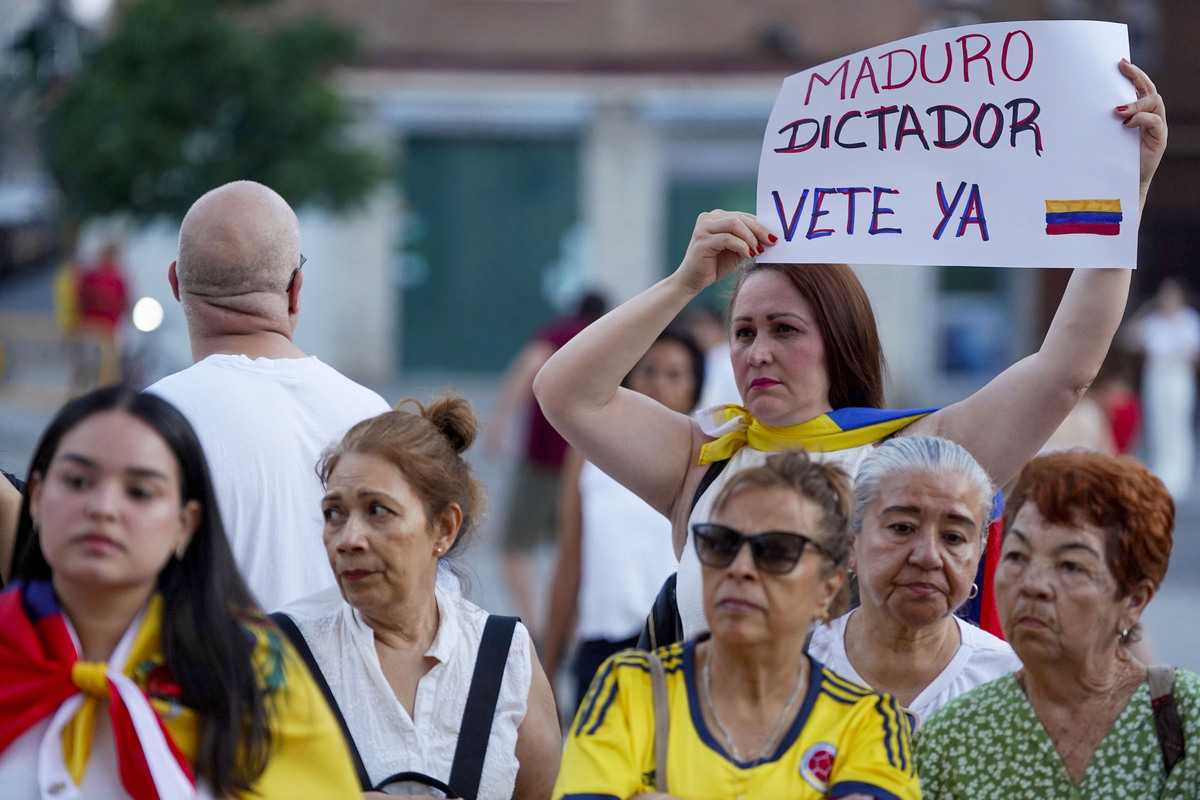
x=183, y=96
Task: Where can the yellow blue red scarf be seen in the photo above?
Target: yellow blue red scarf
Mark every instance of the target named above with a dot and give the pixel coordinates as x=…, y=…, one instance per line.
x=734, y=428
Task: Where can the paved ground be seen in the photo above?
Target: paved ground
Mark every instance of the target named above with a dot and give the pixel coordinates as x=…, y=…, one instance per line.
x=1172, y=620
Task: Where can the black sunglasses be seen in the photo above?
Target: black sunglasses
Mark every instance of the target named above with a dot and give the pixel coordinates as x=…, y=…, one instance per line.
x=776, y=552
x=292, y=279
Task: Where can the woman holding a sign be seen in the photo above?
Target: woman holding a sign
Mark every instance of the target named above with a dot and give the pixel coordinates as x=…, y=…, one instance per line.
x=810, y=367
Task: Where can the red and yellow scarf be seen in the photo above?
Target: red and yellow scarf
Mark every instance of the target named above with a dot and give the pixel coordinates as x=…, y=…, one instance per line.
x=41, y=675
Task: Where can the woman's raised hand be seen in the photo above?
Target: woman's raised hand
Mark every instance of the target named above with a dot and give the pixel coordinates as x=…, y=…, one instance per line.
x=720, y=241
x=1149, y=114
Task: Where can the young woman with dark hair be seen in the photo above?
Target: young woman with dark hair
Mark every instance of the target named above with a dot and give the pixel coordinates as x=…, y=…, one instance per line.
x=125, y=594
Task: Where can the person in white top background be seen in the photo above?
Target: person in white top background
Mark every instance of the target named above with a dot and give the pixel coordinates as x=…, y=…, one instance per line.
x=1168, y=335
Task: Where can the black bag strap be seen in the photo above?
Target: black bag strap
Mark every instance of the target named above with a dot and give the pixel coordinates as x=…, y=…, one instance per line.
x=663, y=625
x=714, y=470
x=476, y=728
x=1167, y=723
x=662, y=721
x=294, y=635
x=415, y=777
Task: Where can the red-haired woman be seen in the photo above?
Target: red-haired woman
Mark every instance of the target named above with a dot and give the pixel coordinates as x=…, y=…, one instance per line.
x=1087, y=538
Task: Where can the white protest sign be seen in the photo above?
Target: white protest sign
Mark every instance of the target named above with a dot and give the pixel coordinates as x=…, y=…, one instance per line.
x=986, y=145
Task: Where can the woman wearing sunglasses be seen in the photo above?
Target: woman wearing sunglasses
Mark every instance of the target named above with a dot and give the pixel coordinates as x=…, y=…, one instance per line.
x=921, y=513
x=748, y=714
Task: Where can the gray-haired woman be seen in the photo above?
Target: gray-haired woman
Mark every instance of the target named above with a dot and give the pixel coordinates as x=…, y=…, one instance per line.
x=922, y=507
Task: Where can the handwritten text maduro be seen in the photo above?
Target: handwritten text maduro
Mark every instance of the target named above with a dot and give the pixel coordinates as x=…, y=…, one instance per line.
x=971, y=58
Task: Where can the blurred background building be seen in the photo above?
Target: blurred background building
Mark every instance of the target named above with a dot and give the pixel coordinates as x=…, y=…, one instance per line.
x=544, y=146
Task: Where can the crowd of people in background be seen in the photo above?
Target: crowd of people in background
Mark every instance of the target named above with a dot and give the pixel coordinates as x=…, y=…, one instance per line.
x=244, y=580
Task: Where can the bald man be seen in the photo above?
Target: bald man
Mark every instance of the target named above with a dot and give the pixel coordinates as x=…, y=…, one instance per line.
x=263, y=409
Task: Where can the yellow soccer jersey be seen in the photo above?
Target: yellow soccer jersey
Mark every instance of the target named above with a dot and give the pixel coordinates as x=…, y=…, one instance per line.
x=846, y=739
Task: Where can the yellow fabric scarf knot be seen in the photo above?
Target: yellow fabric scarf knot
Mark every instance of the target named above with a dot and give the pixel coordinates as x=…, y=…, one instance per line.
x=91, y=678
x=734, y=427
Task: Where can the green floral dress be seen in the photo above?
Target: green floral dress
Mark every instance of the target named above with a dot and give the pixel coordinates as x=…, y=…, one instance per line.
x=988, y=743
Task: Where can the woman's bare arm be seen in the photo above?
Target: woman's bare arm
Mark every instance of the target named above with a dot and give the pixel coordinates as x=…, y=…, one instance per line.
x=564, y=586
x=10, y=510
x=1006, y=422
x=642, y=444
x=539, y=739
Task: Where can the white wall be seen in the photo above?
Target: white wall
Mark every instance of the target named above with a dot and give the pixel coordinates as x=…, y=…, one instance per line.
x=623, y=196
x=349, y=310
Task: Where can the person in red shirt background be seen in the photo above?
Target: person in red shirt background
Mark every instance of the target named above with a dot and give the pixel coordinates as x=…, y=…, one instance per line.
x=103, y=301
x=1114, y=390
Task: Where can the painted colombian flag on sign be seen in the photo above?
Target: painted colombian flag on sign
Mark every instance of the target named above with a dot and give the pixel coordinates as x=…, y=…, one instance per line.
x=1097, y=217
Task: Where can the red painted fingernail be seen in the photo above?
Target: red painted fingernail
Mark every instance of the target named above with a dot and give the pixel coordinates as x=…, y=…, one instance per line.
x=1126, y=120
x=773, y=238
x=1122, y=108
x=760, y=249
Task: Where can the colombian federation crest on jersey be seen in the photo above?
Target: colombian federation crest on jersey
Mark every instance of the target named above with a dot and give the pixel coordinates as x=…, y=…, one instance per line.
x=816, y=765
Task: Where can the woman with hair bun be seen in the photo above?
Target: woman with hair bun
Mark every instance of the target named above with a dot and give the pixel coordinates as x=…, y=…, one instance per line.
x=432, y=690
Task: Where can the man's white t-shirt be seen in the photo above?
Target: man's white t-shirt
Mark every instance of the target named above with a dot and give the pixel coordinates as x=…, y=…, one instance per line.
x=263, y=424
